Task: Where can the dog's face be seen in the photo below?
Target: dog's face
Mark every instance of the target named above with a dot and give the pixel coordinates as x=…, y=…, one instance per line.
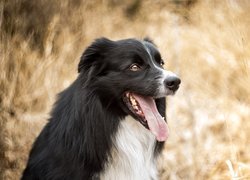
x=130, y=72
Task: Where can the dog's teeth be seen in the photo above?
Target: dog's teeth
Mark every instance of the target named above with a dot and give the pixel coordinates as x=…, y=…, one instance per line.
x=133, y=101
x=136, y=107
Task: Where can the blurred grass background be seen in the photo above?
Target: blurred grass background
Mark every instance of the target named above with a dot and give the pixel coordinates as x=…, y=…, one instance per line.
x=206, y=42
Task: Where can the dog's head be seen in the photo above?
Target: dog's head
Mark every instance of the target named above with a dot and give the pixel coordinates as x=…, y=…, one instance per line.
x=131, y=73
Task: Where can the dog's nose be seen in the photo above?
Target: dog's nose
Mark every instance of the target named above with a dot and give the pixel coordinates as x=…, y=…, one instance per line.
x=172, y=83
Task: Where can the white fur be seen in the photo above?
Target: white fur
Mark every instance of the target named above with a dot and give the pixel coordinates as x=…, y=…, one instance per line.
x=162, y=90
x=133, y=154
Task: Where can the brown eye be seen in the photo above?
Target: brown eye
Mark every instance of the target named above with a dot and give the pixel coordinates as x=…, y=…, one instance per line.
x=134, y=67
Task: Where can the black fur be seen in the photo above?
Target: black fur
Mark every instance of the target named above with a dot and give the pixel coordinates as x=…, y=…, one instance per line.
x=76, y=142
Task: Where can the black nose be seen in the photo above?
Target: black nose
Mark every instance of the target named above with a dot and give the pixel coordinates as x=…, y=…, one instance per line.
x=172, y=83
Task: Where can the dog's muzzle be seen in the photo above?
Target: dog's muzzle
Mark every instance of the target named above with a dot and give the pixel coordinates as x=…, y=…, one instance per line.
x=168, y=84
x=172, y=83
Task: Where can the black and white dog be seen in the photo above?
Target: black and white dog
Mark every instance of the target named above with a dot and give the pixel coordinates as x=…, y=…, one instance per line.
x=110, y=123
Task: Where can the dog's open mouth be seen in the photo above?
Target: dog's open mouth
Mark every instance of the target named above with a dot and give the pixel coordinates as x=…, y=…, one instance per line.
x=145, y=111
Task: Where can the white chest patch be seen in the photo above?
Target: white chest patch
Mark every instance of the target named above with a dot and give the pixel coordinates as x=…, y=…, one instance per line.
x=133, y=154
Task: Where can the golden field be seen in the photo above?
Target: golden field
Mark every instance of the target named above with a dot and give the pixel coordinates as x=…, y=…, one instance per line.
x=206, y=42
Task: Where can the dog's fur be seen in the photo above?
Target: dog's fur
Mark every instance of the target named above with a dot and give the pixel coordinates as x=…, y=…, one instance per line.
x=91, y=133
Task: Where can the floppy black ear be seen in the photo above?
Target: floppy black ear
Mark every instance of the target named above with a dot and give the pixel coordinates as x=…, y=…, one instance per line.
x=94, y=53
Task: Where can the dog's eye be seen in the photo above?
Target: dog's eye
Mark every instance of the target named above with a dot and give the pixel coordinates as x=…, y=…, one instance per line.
x=134, y=67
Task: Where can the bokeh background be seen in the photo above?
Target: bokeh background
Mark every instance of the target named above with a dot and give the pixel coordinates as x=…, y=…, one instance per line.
x=206, y=42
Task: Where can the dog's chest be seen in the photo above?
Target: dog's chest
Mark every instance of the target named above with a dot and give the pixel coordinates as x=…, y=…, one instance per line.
x=133, y=154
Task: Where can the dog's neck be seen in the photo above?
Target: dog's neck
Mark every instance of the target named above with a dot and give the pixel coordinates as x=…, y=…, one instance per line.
x=133, y=153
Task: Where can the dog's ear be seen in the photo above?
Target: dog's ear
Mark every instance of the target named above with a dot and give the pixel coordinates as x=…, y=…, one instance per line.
x=94, y=53
x=149, y=40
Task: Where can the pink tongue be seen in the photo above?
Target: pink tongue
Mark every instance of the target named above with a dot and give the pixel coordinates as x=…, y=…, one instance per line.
x=156, y=123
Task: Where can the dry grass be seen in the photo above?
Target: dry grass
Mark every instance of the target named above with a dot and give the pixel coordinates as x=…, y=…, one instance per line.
x=206, y=42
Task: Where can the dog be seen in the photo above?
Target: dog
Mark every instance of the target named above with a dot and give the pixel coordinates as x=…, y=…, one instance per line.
x=110, y=123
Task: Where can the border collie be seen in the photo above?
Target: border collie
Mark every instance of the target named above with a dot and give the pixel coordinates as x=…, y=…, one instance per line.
x=110, y=123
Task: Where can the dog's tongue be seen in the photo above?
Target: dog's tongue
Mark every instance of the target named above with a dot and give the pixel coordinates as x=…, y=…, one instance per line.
x=156, y=123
